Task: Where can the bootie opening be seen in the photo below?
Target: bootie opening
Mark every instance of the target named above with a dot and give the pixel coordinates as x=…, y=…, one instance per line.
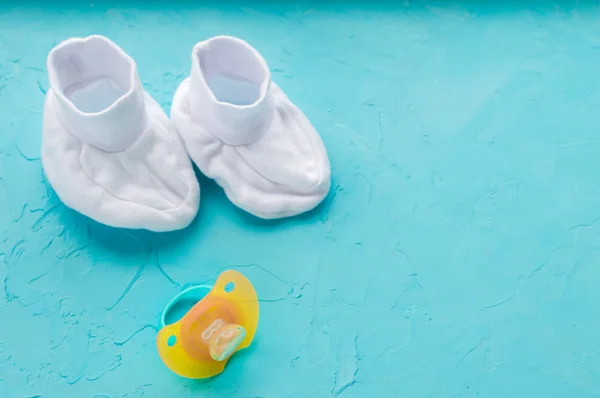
x=234, y=72
x=92, y=74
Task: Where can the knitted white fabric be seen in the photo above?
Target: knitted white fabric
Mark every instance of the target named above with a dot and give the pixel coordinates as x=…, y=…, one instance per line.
x=242, y=130
x=108, y=149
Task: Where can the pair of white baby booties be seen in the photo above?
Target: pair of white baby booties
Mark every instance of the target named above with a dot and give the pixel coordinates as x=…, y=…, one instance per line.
x=111, y=153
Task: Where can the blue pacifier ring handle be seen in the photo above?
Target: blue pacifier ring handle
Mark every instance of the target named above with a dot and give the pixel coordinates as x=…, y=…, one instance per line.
x=195, y=292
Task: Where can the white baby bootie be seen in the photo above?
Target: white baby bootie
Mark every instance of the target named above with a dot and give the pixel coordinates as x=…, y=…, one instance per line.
x=108, y=149
x=242, y=130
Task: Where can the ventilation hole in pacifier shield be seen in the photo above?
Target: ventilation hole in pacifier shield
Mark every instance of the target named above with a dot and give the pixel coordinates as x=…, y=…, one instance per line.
x=171, y=341
x=229, y=287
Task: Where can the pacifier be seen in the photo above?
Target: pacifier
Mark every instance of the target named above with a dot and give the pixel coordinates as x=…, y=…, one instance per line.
x=223, y=321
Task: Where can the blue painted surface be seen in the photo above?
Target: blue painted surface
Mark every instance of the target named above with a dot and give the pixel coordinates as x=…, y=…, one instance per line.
x=457, y=255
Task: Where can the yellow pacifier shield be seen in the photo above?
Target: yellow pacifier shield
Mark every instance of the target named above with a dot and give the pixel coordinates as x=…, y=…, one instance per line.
x=223, y=322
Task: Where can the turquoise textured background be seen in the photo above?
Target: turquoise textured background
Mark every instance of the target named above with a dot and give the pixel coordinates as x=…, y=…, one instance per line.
x=458, y=254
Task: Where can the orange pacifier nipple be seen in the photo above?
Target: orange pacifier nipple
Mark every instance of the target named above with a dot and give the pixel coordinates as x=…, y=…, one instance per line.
x=223, y=321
